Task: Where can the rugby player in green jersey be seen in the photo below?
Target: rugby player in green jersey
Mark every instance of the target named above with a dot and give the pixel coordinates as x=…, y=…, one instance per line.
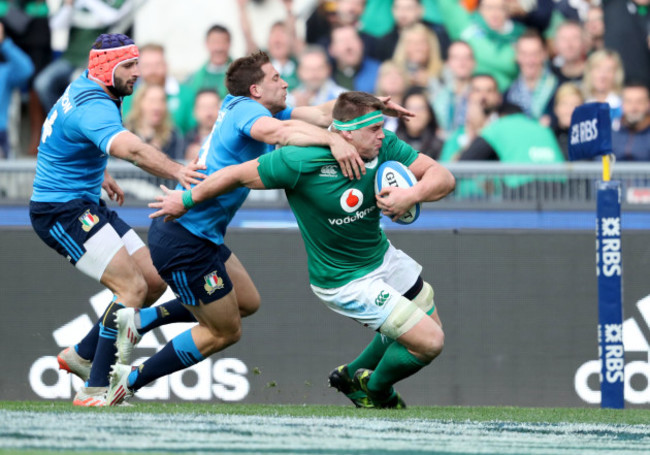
x=353, y=268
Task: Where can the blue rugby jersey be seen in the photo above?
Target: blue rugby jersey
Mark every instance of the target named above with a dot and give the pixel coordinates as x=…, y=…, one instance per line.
x=229, y=143
x=75, y=142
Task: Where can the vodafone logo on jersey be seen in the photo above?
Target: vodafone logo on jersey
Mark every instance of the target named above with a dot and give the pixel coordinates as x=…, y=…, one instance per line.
x=351, y=200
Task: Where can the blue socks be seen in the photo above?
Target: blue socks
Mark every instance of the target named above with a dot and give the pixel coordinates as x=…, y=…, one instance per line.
x=87, y=347
x=99, y=344
x=150, y=318
x=106, y=350
x=178, y=354
x=167, y=313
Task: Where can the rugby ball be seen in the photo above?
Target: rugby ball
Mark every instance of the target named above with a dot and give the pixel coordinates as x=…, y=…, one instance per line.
x=394, y=173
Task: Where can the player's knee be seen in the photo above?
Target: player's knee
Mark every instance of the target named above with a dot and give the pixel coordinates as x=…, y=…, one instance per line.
x=134, y=293
x=225, y=331
x=155, y=288
x=224, y=337
x=235, y=336
x=437, y=343
x=140, y=291
x=232, y=333
x=250, y=306
x=432, y=346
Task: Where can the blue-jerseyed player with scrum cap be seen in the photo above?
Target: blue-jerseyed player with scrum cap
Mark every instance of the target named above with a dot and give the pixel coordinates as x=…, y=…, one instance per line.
x=81, y=131
x=191, y=255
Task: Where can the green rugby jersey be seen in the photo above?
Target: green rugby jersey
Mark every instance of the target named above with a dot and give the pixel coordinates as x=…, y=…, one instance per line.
x=338, y=217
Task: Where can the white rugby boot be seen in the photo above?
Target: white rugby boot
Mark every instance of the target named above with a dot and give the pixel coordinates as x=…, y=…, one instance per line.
x=118, y=389
x=127, y=334
x=90, y=396
x=73, y=363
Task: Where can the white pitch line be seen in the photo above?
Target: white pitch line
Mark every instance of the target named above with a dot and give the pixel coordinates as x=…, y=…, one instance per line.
x=208, y=433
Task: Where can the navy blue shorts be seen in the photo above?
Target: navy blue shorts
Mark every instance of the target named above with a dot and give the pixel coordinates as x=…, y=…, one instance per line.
x=66, y=226
x=193, y=267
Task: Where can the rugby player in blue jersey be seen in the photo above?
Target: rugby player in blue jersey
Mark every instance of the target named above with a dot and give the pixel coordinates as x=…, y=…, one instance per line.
x=191, y=255
x=81, y=131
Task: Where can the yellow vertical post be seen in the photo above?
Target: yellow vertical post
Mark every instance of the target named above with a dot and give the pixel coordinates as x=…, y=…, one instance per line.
x=606, y=168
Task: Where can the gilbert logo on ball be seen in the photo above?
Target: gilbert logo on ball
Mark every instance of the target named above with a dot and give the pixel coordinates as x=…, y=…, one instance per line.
x=394, y=173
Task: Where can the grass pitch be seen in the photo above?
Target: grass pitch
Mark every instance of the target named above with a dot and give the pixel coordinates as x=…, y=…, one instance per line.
x=157, y=428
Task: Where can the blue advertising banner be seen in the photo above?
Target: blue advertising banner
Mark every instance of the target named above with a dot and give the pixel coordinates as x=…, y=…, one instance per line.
x=610, y=313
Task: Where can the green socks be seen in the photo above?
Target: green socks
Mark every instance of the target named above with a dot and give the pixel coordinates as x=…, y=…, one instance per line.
x=371, y=356
x=396, y=364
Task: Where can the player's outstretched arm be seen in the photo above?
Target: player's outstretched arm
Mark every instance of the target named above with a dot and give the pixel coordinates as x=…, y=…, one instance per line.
x=321, y=115
x=395, y=110
x=174, y=204
x=129, y=147
x=296, y=132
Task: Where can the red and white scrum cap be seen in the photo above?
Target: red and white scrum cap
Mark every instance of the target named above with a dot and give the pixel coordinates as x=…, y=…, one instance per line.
x=110, y=51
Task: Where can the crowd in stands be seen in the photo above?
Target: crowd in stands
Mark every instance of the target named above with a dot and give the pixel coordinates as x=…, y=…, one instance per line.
x=488, y=79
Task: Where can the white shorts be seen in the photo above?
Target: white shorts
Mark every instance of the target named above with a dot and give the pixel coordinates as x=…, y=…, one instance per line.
x=370, y=299
x=103, y=246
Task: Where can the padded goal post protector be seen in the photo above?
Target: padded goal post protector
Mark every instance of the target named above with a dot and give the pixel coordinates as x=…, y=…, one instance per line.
x=610, y=294
x=591, y=132
x=591, y=136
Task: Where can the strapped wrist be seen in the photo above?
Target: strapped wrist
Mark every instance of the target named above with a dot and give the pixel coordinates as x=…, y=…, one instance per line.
x=188, y=202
